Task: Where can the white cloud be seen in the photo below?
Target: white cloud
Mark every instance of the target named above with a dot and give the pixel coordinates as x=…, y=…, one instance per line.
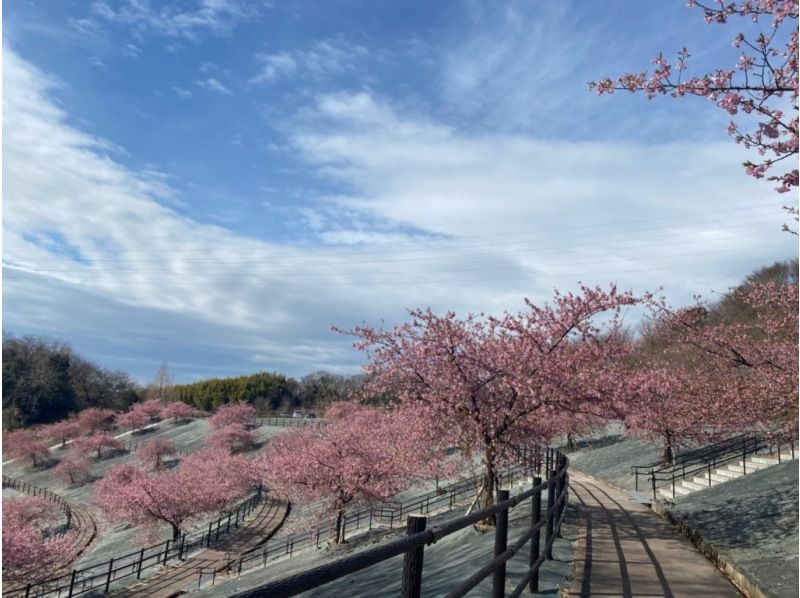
x=214, y=86
x=274, y=66
x=451, y=221
x=177, y=20
x=181, y=92
x=323, y=59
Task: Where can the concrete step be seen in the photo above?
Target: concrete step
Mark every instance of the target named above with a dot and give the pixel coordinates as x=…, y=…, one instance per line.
x=693, y=485
x=731, y=475
x=703, y=480
x=666, y=491
x=764, y=460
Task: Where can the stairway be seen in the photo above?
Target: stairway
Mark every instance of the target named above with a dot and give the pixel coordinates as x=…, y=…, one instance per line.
x=724, y=473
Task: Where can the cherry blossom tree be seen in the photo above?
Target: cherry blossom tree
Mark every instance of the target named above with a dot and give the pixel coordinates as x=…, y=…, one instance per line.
x=152, y=453
x=234, y=438
x=31, y=552
x=25, y=444
x=489, y=384
x=233, y=413
x=666, y=409
x=745, y=369
x=177, y=411
x=73, y=469
x=356, y=460
x=96, y=420
x=763, y=84
x=134, y=419
x=203, y=483
x=97, y=443
x=152, y=408
x=62, y=431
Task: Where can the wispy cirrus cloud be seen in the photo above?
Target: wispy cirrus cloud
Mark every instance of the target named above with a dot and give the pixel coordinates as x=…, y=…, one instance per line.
x=325, y=58
x=215, y=86
x=189, y=21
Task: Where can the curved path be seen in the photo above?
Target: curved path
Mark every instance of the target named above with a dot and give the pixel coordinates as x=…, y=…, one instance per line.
x=82, y=523
x=626, y=550
x=174, y=580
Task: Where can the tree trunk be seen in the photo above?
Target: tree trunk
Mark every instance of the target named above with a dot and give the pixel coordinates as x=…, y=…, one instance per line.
x=338, y=528
x=669, y=455
x=176, y=531
x=570, y=442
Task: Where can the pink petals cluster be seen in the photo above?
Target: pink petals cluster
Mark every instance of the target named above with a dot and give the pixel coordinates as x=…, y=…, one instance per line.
x=489, y=385
x=742, y=374
x=203, y=483
x=762, y=81
x=361, y=456
x=233, y=413
x=31, y=549
x=177, y=411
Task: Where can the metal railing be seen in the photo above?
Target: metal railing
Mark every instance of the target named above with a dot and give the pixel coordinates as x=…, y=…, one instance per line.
x=25, y=488
x=99, y=575
x=412, y=546
x=703, y=461
x=385, y=516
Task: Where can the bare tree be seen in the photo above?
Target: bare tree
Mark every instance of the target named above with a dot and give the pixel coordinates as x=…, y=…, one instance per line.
x=162, y=388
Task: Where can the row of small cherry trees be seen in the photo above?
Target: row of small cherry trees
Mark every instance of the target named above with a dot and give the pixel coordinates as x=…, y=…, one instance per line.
x=143, y=492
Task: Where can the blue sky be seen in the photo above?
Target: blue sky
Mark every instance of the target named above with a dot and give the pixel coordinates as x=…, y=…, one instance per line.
x=214, y=183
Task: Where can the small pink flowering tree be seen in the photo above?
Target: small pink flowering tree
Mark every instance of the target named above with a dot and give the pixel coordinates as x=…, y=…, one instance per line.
x=97, y=443
x=152, y=408
x=134, y=419
x=62, y=431
x=152, y=453
x=665, y=409
x=30, y=551
x=763, y=84
x=356, y=460
x=233, y=413
x=96, y=420
x=744, y=369
x=203, y=483
x=177, y=411
x=234, y=438
x=487, y=383
x=73, y=469
x=25, y=444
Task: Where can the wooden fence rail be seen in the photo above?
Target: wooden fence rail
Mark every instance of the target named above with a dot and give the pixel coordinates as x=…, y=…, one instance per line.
x=417, y=538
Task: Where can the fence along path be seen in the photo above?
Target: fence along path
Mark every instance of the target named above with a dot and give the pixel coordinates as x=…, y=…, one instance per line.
x=545, y=522
x=386, y=515
x=174, y=580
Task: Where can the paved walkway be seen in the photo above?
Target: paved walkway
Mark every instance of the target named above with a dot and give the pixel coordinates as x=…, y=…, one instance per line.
x=174, y=580
x=630, y=551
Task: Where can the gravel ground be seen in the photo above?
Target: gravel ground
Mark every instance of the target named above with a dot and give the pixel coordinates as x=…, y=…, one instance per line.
x=448, y=562
x=752, y=521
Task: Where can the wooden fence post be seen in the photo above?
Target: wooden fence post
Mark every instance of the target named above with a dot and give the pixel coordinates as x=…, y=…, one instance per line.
x=412, y=561
x=139, y=569
x=551, y=491
x=500, y=545
x=536, y=517
x=72, y=582
x=108, y=577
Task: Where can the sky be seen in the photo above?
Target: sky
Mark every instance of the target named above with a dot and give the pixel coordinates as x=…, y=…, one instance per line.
x=214, y=183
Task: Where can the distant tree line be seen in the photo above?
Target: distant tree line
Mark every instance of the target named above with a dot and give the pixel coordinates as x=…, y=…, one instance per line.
x=270, y=392
x=45, y=380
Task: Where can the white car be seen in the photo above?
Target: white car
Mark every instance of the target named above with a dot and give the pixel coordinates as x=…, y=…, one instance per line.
x=297, y=415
